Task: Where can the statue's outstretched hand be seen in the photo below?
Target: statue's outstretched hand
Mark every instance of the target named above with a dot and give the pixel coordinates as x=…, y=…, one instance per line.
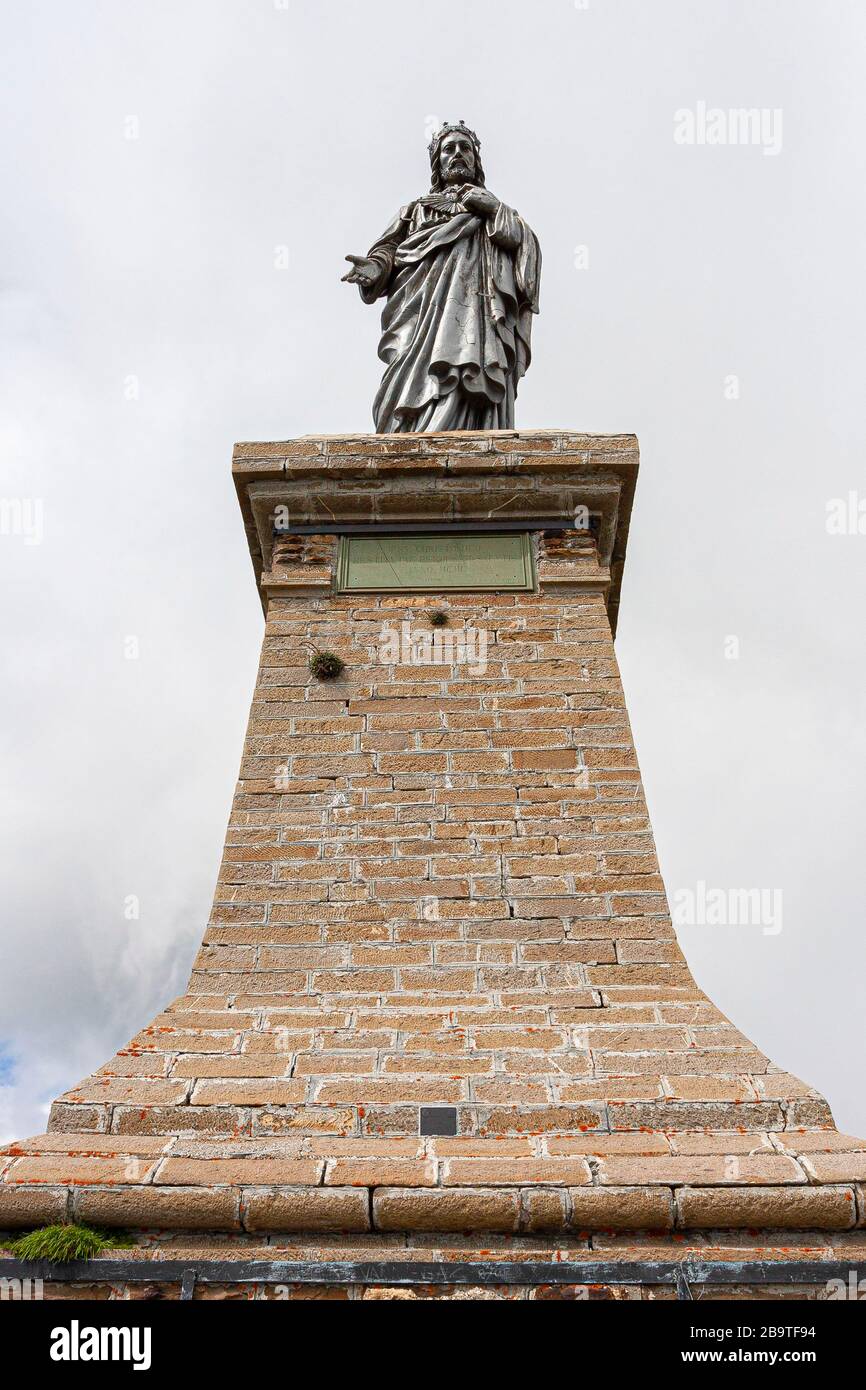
x=364, y=271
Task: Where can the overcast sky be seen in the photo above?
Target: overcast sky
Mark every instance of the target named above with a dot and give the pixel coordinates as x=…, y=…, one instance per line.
x=182, y=179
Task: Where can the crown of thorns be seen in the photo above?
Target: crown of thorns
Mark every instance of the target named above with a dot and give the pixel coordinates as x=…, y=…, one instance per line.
x=445, y=129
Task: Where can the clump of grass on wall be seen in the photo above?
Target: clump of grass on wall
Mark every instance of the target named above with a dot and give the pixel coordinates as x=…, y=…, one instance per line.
x=326, y=666
x=61, y=1244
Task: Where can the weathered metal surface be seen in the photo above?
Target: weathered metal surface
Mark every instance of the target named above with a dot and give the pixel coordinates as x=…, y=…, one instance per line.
x=441, y=1272
x=435, y=563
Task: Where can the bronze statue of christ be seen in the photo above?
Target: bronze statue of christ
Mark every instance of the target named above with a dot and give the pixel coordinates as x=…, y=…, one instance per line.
x=460, y=271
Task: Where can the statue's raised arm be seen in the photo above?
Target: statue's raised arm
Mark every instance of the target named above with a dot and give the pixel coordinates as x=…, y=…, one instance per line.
x=460, y=271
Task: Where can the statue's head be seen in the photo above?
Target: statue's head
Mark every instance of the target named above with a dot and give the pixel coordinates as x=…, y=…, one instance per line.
x=455, y=157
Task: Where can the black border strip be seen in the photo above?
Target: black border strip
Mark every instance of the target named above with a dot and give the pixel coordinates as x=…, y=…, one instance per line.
x=442, y=1272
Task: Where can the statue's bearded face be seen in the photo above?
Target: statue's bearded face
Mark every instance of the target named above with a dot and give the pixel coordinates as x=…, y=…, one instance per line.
x=457, y=162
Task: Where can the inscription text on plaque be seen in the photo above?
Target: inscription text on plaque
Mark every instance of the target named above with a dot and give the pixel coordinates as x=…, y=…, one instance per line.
x=434, y=563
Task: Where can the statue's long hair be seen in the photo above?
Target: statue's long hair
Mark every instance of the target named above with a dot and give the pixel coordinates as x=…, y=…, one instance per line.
x=435, y=146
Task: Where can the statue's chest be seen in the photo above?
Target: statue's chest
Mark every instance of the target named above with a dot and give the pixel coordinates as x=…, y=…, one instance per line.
x=426, y=216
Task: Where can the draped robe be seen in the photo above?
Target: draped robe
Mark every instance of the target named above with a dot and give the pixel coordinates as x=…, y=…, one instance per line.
x=456, y=330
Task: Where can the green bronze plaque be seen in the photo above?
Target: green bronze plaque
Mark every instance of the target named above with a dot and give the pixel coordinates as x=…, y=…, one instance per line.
x=435, y=563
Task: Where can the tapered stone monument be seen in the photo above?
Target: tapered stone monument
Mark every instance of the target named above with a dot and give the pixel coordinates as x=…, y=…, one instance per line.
x=440, y=1023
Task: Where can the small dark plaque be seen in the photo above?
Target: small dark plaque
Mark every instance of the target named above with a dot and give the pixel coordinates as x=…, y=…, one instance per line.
x=438, y=1119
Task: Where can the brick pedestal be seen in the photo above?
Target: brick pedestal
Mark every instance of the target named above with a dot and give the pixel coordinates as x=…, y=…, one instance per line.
x=440, y=889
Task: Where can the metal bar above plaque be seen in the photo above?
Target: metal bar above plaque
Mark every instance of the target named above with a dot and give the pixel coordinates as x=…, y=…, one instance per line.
x=435, y=563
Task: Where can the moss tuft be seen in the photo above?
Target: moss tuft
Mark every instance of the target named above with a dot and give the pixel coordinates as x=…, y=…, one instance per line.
x=326, y=666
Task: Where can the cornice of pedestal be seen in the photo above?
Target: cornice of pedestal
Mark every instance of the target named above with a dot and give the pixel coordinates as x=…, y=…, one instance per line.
x=533, y=478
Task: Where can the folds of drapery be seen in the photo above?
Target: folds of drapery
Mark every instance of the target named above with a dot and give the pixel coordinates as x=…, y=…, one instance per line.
x=456, y=330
